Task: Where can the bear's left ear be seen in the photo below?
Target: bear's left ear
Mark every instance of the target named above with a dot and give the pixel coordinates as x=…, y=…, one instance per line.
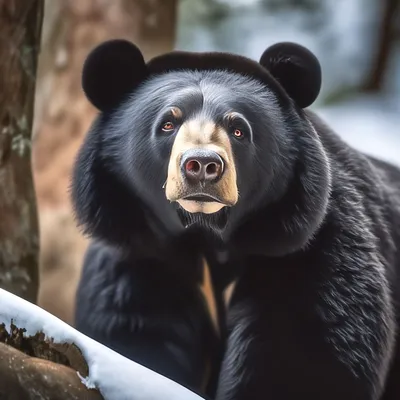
x=111, y=71
x=296, y=69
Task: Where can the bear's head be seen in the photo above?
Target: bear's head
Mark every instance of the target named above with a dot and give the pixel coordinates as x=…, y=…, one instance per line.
x=202, y=140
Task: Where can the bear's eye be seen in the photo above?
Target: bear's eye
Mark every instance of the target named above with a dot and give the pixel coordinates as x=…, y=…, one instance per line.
x=168, y=126
x=238, y=133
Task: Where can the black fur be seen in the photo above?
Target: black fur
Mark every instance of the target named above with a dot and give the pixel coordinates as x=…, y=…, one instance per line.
x=116, y=67
x=111, y=71
x=296, y=69
x=311, y=241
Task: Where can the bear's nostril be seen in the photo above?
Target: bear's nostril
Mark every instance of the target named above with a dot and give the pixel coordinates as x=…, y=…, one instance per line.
x=211, y=169
x=193, y=166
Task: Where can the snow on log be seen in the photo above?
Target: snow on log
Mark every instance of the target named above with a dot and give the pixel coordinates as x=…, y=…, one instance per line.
x=42, y=355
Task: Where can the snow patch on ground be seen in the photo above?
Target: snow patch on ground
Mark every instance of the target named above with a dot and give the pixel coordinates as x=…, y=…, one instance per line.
x=368, y=123
x=115, y=376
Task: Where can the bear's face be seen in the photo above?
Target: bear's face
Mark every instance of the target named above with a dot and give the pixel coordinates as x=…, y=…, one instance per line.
x=206, y=142
x=201, y=140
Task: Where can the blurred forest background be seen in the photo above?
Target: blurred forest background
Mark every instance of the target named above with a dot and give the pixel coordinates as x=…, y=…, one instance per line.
x=357, y=42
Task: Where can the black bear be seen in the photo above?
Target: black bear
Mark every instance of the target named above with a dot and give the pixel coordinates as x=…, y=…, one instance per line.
x=205, y=173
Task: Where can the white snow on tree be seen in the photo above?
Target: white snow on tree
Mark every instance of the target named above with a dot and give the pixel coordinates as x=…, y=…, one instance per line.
x=60, y=353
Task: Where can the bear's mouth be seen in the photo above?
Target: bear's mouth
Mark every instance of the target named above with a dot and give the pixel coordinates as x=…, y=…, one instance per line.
x=202, y=198
x=203, y=210
x=215, y=222
x=201, y=202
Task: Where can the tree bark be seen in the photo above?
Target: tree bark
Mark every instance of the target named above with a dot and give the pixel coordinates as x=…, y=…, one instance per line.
x=386, y=37
x=23, y=377
x=20, y=31
x=63, y=115
x=34, y=367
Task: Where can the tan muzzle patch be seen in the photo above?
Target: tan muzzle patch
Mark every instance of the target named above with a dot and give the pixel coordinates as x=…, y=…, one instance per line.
x=203, y=135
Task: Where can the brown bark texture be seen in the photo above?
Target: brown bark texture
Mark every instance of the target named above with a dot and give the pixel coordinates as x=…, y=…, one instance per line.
x=32, y=368
x=63, y=116
x=20, y=30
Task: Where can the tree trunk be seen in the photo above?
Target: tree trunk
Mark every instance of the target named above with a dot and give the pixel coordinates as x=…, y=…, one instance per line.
x=20, y=30
x=63, y=115
x=386, y=37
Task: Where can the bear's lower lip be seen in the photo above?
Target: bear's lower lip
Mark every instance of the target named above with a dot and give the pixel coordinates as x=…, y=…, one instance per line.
x=200, y=206
x=203, y=198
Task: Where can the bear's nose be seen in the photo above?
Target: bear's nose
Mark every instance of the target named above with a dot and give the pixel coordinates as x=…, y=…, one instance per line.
x=200, y=165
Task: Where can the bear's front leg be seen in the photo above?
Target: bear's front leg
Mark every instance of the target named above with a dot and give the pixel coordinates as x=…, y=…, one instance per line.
x=311, y=327
x=150, y=311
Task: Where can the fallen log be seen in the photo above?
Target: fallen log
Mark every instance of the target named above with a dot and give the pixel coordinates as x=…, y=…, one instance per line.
x=42, y=357
x=24, y=377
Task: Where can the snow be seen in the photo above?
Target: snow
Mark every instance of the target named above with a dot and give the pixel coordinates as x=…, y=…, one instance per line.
x=368, y=123
x=116, y=377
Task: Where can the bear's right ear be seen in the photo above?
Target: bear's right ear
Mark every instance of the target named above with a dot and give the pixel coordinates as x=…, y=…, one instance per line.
x=111, y=71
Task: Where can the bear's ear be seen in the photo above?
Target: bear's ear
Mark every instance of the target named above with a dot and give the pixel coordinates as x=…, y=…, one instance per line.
x=111, y=71
x=296, y=69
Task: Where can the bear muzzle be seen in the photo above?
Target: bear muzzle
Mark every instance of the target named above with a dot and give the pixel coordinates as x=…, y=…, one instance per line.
x=201, y=171
x=201, y=184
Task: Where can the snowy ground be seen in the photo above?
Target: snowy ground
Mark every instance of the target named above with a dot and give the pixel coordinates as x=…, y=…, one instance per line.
x=371, y=125
x=115, y=376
